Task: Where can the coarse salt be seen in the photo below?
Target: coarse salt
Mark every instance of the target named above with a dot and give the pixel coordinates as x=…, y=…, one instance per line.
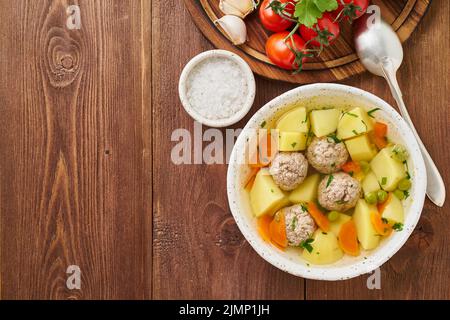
x=217, y=88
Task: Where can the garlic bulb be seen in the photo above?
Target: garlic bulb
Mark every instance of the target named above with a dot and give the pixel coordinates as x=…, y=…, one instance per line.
x=240, y=8
x=234, y=28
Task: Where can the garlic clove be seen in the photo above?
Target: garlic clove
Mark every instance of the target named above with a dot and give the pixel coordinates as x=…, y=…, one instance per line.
x=234, y=27
x=240, y=8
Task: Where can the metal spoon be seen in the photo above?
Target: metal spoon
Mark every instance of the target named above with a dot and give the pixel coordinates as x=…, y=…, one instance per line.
x=381, y=52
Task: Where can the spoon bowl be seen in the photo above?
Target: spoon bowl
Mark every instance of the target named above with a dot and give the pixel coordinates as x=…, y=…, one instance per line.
x=381, y=52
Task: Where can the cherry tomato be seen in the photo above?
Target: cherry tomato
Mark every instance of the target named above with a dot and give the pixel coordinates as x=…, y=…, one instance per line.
x=329, y=31
x=289, y=54
x=350, y=10
x=270, y=14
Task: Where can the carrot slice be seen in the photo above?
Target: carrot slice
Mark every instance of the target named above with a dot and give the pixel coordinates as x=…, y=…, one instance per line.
x=264, y=152
x=318, y=216
x=277, y=230
x=351, y=166
x=264, y=226
x=381, y=227
x=251, y=179
x=382, y=206
x=380, y=142
x=348, y=240
x=380, y=129
x=379, y=136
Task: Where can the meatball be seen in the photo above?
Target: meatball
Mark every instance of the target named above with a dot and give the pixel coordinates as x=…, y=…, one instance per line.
x=289, y=169
x=299, y=224
x=326, y=156
x=339, y=191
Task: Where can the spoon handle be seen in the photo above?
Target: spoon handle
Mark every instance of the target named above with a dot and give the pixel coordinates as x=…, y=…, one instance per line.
x=435, y=184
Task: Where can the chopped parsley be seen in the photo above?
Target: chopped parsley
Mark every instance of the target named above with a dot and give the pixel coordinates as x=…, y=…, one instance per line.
x=306, y=118
x=293, y=223
x=340, y=201
x=334, y=138
x=383, y=181
x=406, y=194
x=384, y=220
x=371, y=112
x=398, y=226
x=350, y=173
x=408, y=176
x=304, y=208
x=307, y=245
x=293, y=144
x=355, y=132
x=271, y=190
x=351, y=114
x=330, y=178
x=364, y=123
x=263, y=124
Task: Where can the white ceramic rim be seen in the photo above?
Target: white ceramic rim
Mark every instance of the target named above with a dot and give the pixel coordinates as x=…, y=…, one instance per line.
x=249, y=77
x=324, y=272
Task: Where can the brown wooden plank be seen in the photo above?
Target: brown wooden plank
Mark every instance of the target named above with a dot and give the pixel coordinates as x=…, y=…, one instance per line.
x=420, y=269
x=75, y=157
x=198, y=250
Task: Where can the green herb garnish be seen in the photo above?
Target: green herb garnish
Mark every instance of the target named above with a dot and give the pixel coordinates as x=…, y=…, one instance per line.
x=383, y=181
x=364, y=123
x=304, y=208
x=330, y=178
x=293, y=223
x=307, y=245
x=351, y=114
x=263, y=124
x=334, y=138
x=371, y=112
x=398, y=226
x=355, y=132
x=293, y=144
x=406, y=193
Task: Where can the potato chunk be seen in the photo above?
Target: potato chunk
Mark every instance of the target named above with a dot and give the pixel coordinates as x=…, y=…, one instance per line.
x=354, y=123
x=367, y=235
x=387, y=170
x=393, y=210
x=295, y=120
x=265, y=196
x=360, y=148
x=324, y=122
x=325, y=249
x=307, y=191
x=370, y=183
x=292, y=141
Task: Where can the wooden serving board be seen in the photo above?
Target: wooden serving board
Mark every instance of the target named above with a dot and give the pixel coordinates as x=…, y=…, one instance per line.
x=337, y=62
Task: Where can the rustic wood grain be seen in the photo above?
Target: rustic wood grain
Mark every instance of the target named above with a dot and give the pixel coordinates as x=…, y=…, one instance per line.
x=85, y=128
x=199, y=253
x=75, y=157
x=336, y=62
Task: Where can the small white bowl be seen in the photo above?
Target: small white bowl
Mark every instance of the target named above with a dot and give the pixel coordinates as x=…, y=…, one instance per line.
x=248, y=74
x=316, y=95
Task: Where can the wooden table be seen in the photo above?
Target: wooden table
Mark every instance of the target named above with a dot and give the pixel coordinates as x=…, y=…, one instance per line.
x=86, y=177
